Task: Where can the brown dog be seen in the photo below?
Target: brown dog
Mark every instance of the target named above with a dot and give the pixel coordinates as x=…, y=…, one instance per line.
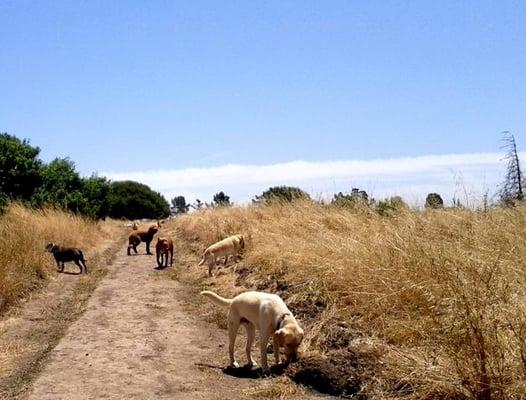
x=231, y=246
x=138, y=236
x=163, y=249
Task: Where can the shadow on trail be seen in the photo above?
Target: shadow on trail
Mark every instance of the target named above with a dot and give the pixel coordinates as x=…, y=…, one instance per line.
x=249, y=373
x=71, y=273
x=203, y=365
x=162, y=267
x=246, y=372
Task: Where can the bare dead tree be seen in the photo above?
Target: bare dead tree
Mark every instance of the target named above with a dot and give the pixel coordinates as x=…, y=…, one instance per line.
x=513, y=187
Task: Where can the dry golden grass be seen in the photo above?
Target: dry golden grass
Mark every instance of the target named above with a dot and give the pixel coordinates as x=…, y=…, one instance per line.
x=435, y=301
x=279, y=389
x=24, y=264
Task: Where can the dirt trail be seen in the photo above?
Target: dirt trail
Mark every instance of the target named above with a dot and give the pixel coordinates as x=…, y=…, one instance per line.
x=30, y=330
x=136, y=341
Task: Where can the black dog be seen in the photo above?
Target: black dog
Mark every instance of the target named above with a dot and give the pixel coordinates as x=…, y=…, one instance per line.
x=66, y=254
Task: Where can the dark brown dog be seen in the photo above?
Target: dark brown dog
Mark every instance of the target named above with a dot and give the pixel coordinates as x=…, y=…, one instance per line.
x=163, y=249
x=67, y=254
x=136, y=237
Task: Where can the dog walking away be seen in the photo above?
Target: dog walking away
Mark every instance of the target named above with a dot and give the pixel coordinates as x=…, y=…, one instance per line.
x=164, y=248
x=266, y=313
x=231, y=246
x=67, y=254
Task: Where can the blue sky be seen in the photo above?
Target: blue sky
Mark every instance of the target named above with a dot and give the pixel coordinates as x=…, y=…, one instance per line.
x=131, y=88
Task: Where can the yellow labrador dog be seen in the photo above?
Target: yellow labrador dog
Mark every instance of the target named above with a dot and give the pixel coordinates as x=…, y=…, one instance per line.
x=231, y=246
x=266, y=313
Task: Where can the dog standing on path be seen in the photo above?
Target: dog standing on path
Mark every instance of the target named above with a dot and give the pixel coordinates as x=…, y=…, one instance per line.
x=67, y=254
x=137, y=236
x=164, y=248
x=266, y=313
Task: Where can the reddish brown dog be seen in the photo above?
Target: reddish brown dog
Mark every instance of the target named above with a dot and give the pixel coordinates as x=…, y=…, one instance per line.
x=137, y=236
x=163, y=249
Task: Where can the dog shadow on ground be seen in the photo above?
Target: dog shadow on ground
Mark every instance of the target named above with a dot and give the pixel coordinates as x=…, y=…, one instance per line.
x=70, y=272
x=246, y=372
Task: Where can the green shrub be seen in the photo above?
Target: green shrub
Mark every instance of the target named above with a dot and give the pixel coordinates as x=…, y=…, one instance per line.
x=133, y=200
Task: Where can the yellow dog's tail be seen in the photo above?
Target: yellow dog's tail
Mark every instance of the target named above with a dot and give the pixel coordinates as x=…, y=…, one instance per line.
x=216, y=299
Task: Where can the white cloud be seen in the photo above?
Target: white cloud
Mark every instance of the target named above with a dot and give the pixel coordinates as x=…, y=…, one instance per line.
x=411, y=177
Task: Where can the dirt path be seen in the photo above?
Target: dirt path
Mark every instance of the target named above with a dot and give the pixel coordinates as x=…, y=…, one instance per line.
x=30, y=330
x=136, y=340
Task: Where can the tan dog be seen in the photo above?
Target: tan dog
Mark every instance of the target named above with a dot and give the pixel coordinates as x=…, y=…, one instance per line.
x=266, y=313
x=164, y=248
x=231, y=246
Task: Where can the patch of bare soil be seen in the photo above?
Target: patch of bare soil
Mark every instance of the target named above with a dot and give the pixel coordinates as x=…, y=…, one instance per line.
x=335, y=375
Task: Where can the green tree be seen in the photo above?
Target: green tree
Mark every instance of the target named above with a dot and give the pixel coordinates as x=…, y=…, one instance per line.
x=135, y=200
x=179, y=205
x=221, y=200
x=281, y=193
x=434, y=200
x=356, y=197
x=61, y=186
x=19, y=168
x=96, y=191
x=390, y=206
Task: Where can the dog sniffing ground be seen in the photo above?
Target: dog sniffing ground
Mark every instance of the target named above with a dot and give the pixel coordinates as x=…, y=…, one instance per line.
x=138, y=339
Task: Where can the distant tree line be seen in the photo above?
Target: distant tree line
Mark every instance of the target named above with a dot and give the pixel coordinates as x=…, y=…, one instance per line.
x=180, y=206
x=511, y=192
x=356, y=198
x=26, y=178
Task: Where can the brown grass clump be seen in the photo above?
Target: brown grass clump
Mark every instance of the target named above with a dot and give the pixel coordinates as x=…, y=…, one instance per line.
x=24, y=263
x=428, y=304
x=280, y=389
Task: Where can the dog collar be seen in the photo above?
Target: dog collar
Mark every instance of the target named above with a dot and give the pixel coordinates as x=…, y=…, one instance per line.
x=280, y=320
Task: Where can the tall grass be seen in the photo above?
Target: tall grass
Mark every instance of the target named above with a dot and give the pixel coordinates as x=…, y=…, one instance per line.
x=439, y=295
x=24, y=232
